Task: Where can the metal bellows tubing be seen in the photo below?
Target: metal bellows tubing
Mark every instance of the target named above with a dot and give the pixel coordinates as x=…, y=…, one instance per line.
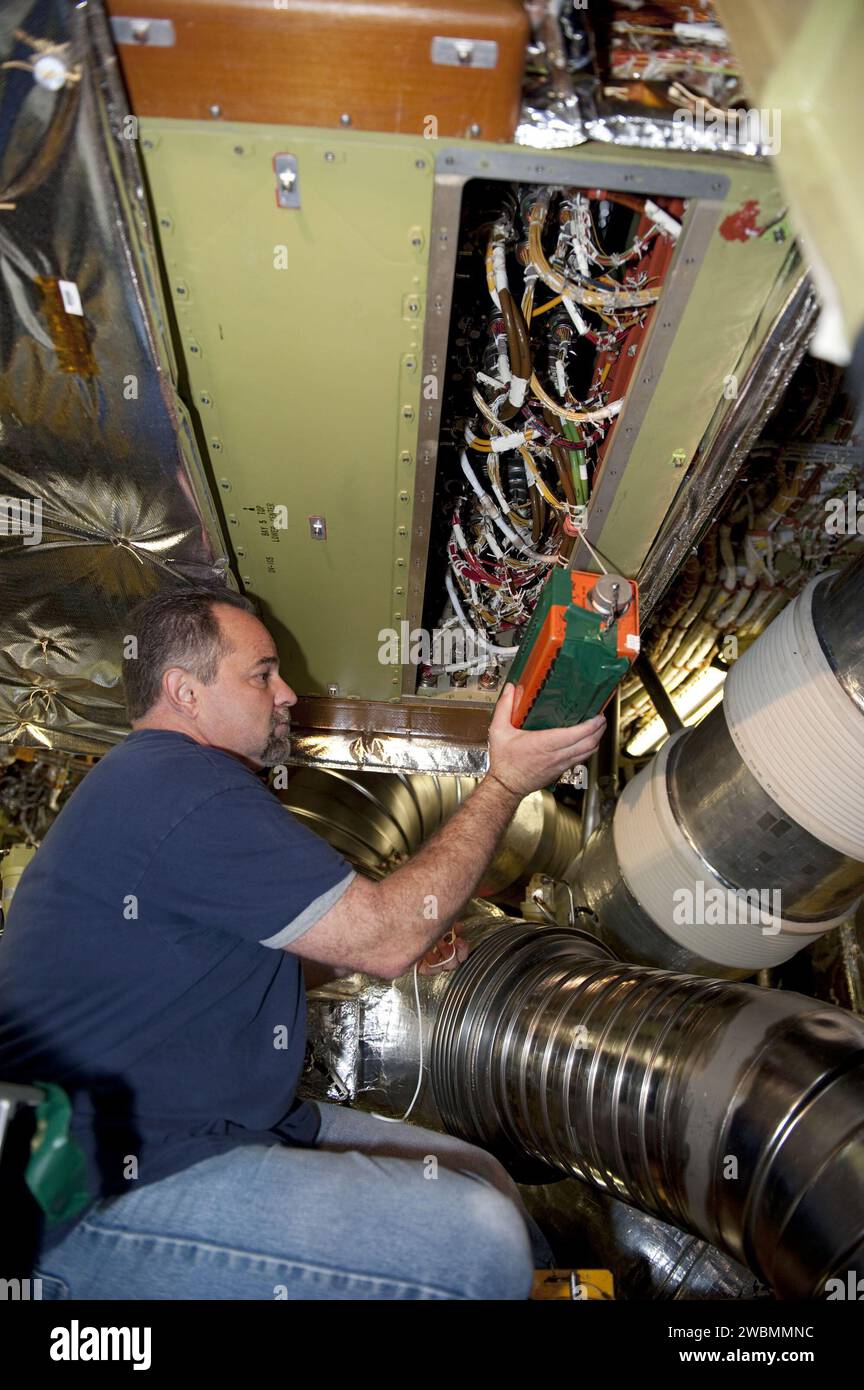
x=378, y=818
x=731, y=1111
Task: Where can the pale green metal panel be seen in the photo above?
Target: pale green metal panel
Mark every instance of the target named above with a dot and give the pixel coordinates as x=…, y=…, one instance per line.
x=708, y=358
x=803, y=60
x=307, y=379
x=301, y=375
x=817, y=87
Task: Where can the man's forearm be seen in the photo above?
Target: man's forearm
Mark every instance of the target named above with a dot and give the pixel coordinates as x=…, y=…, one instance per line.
x=420, y=900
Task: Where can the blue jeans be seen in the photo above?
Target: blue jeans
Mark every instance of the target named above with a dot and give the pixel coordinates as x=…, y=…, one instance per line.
x=373, y=1211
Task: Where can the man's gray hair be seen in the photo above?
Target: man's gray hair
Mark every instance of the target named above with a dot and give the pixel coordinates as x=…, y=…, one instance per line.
x=176, y=627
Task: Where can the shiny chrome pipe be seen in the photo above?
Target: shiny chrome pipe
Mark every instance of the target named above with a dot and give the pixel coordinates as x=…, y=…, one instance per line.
x=733, y=1112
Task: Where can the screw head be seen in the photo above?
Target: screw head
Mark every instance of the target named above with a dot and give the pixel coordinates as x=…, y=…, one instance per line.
x=215, y=110
x=238, y=149
x=473, y=130
x=419, y=163
x=345, y=119
x=329, y=156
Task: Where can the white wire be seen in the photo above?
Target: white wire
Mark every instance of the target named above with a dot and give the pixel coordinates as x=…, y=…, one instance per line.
x=397, y=1119
x=439, y=965
x=584, y=538
x=498, y=519
x=460, y=614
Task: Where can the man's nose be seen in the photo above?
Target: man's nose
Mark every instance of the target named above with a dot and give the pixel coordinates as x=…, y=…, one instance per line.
x=285, y=695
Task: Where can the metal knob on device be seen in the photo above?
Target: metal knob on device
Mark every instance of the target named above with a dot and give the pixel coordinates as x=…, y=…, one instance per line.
x=611, y=595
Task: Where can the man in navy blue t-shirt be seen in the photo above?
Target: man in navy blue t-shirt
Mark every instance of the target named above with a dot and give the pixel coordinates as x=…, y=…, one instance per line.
x=151, y=964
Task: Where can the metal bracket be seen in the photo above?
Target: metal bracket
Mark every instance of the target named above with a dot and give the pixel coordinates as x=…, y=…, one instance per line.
x=150, y=33
x=465, y=53
x=287, y=180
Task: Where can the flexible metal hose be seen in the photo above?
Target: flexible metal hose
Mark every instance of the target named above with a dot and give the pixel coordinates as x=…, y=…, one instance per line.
x=731, y=1111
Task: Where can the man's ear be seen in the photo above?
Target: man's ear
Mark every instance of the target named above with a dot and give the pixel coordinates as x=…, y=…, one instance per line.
x=180, y=691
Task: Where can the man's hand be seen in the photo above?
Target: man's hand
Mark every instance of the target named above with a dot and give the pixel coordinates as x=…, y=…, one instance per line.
x=524, y=760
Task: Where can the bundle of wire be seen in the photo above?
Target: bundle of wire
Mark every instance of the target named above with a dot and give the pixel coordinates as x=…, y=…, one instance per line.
x=530, y=446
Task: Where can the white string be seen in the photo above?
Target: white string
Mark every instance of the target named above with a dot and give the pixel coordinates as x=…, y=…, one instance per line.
x=397, y=1119
x=583, y=537
x=439, y=964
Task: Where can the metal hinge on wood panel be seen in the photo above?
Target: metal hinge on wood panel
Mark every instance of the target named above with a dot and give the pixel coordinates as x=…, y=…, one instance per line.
x=153, y=33
x=465, y=53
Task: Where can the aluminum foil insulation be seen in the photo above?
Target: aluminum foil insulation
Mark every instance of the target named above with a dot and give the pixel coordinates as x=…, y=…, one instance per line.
x=733, y=1112
x=96, y=448
x=759, y=808
x=573, y=101
x=364, y=1036
x=563, y=122
x=387, y=752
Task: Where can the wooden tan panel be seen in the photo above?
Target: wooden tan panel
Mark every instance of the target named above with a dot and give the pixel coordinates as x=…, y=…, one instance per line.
x=310, y=62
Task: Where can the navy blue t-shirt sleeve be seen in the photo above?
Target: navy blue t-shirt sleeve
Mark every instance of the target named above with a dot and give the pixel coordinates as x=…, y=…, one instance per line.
x=241, y=863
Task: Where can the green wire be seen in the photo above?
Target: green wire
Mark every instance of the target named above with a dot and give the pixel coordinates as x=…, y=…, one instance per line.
x=577, y=461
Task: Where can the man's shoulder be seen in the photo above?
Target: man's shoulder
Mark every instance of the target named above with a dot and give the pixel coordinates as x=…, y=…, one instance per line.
x=160, y=768
x=169, y=751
